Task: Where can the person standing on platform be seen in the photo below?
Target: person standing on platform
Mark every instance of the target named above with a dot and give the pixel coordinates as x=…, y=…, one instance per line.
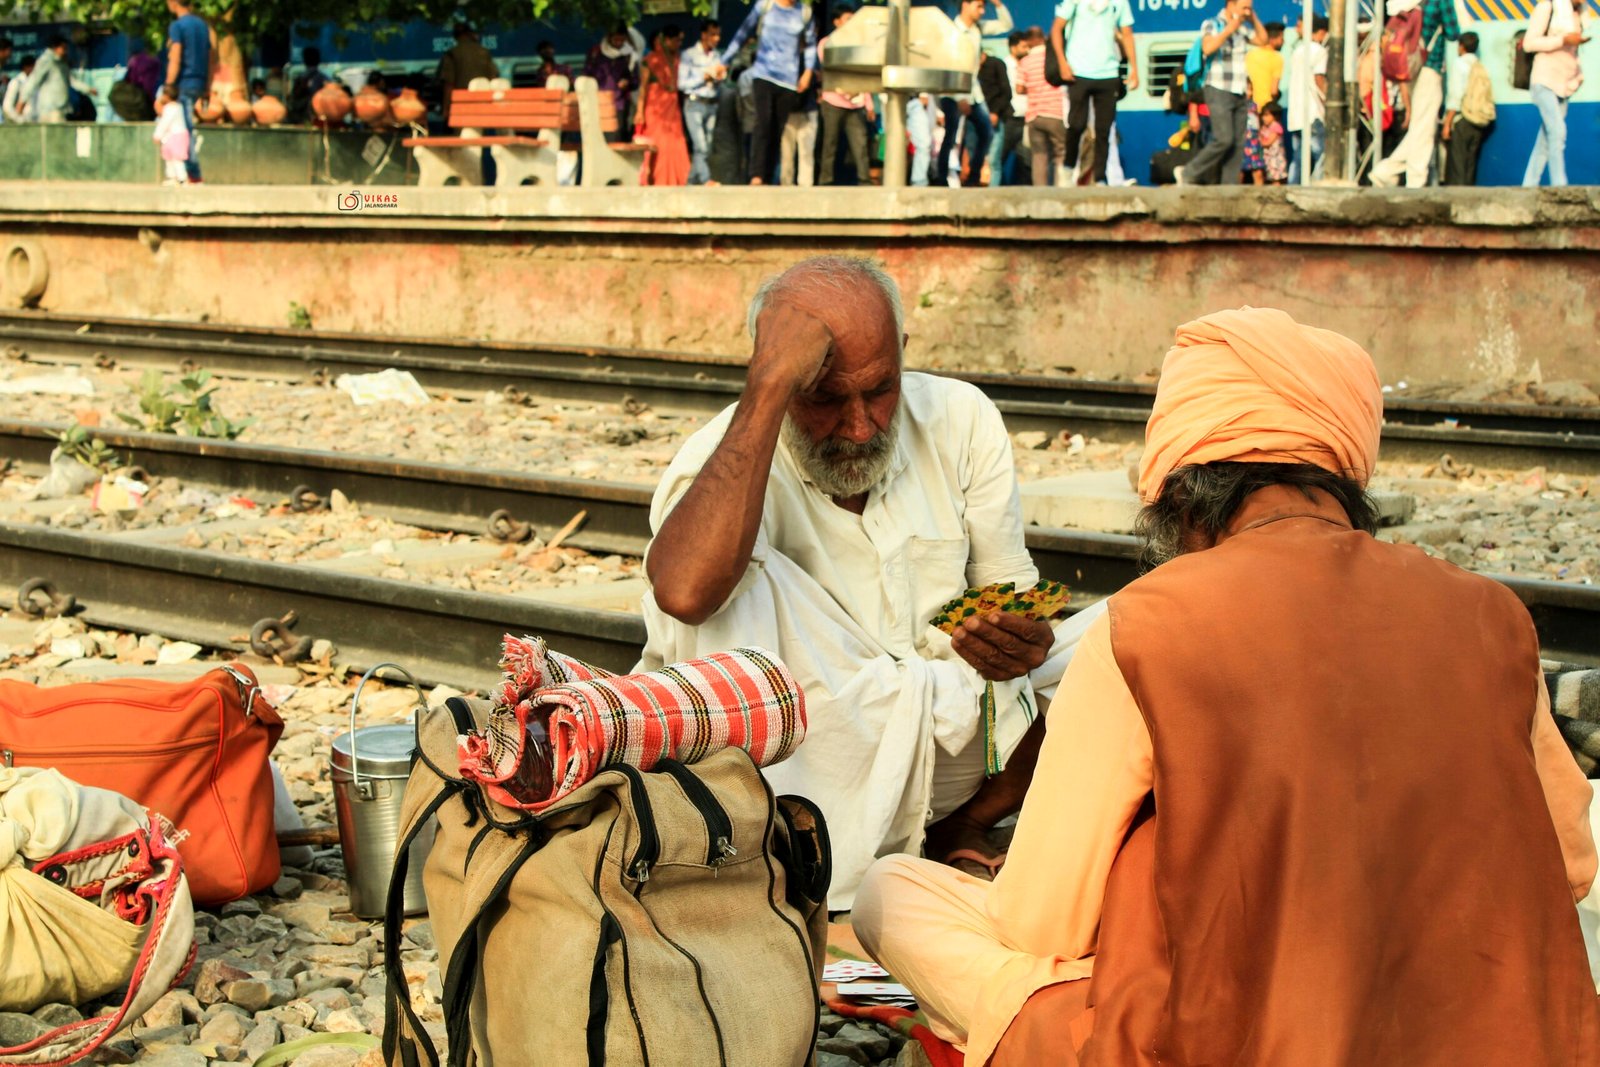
x=171, y=135
x=660, y=120
x=1414, y=155
x=306, y=84
x=612, y=63
x=1087, y=36
x=797, y=148
x=851, y=112
x=785, y=64
x=978, y=129
x=463, y=63
x=191, y=64
x=700, y=72
x=1336, y=825
x=1469, y=112
x=548, y=67
x=48, y=88
x=1308, y=89
x=1227, y=40
x=14, y=106
x=1264, y=69
x=144, y=70
x=1555, y=77
x=919, y=135
x=1045, y=119
x=1014, y=159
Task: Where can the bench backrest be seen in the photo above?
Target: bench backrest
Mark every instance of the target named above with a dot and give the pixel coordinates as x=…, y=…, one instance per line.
x=506, y=109
x=524, y=109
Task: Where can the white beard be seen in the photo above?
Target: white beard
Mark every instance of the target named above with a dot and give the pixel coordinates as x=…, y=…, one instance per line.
x=842, y=468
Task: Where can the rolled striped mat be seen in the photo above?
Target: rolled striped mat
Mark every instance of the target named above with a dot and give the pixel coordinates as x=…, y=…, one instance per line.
x=744, y=698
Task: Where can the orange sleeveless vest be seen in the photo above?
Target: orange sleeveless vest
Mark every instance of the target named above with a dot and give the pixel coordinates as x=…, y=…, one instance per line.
x=1354, y=864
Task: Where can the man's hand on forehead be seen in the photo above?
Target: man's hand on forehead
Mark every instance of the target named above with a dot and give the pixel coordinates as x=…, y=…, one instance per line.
x=793, y=349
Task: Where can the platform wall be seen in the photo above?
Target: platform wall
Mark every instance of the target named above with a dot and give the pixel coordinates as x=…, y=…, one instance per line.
x=1439, y=286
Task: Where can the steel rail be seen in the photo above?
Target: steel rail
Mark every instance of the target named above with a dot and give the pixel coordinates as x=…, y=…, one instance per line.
x=440, y=634
x=1487, y=434
x=431, y=495
x=1567, y=615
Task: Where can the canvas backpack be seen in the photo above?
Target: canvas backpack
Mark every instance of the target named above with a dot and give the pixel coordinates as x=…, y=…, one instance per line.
x=676, y=918
x=1402, y=51
x=1521, y=58
x=1477, y=100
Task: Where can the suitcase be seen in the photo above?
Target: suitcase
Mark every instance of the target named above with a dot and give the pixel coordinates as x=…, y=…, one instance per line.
x=1163, y=162
x=194, y=753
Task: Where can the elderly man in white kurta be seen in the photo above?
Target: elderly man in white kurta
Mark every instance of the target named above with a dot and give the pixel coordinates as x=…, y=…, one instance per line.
x=827, y=516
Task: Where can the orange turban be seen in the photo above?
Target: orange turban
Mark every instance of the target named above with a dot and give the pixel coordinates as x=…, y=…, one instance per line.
x=1254, y=386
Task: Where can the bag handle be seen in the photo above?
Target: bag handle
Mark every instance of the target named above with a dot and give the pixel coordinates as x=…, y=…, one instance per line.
x=97, y=1031
x=397, y=1007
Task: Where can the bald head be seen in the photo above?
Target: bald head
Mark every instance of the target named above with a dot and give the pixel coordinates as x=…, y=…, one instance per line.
x=843, y=288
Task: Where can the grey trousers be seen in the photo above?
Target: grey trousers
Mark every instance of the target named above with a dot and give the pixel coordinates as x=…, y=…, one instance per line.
x=1222, y=158
x=854, y=121
x=1047, y=139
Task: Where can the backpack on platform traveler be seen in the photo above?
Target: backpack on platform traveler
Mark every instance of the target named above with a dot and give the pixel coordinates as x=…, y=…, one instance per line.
x=1196, y=65
x=676, y=918
x=1403, y=53
x=1521, y=58
x=1477, y=99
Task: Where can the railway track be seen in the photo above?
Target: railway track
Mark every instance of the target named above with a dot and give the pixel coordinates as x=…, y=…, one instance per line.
x=1492, y=435
x=128, y=582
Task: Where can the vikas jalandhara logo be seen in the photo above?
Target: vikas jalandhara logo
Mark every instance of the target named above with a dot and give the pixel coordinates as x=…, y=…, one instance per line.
x=356, y=200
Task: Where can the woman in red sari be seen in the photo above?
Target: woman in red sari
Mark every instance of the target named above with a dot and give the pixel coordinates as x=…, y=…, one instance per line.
x=660, y=119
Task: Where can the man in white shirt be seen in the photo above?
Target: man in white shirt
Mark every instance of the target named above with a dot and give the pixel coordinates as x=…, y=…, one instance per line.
x=827, y=516
x=13, y=106
x=1308, y=89
x=977, y=128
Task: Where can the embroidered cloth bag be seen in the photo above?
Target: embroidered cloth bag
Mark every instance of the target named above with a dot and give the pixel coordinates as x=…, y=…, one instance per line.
x=92, y=900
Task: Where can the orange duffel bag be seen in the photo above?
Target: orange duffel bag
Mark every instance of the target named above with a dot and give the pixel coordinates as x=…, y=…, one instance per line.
x=193, y=753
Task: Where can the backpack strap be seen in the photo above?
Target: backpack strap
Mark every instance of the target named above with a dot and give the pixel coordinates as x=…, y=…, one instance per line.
x=497, y=861
x=405, y=1040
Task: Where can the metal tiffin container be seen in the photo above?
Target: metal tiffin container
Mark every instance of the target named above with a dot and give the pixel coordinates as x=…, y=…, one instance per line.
x=370, y=766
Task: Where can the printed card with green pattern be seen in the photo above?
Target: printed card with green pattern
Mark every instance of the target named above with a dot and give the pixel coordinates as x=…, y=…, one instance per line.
x=1044, y=600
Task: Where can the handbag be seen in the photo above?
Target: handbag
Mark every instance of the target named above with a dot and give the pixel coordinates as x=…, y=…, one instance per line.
x=92, y=900
x=194, y=753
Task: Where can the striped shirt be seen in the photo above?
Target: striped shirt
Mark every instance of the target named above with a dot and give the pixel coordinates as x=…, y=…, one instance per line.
x=1227, y=71
x=1044, y=99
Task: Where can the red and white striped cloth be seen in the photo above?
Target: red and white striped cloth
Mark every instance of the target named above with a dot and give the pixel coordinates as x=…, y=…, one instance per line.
x=686, y=711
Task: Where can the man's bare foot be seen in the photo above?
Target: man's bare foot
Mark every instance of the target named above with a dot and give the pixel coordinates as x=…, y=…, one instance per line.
x=963, y=844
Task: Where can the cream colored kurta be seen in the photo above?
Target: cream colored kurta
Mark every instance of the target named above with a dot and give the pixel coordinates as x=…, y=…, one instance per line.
x=973, y=952
x=845, y=601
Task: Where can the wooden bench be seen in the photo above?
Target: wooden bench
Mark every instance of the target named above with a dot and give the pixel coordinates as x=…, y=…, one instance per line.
x=604, y=162
x=518, y=159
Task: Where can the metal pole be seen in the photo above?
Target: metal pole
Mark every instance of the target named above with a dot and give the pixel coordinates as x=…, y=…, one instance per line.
x=1305, y=43
x=1352, y=87
x=1379, y=97
x=894, y=112
x=1339, y=122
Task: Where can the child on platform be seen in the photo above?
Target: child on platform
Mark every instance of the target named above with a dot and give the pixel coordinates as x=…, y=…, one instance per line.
x=1272, y=149
x=172, y=135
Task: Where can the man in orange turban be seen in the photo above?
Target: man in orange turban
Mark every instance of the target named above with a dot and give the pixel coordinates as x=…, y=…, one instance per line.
x=1300, y=800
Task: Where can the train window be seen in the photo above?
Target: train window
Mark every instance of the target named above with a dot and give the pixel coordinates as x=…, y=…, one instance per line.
x=1165, y=62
